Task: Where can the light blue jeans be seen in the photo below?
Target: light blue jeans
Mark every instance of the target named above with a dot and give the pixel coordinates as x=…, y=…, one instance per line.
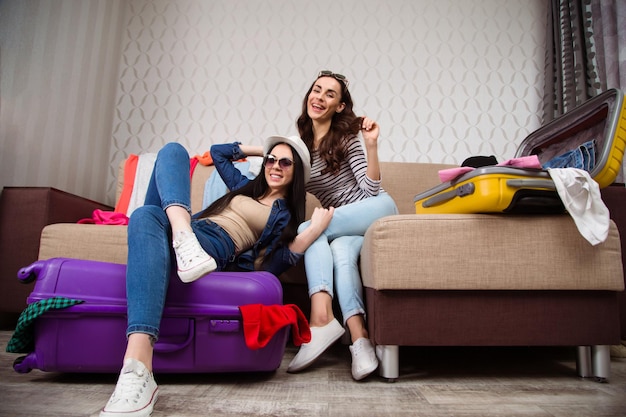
x=150, y=254
x=332, y=261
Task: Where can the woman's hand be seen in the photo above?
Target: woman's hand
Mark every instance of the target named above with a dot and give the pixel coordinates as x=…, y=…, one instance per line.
x=321, y=217
x=370, y=132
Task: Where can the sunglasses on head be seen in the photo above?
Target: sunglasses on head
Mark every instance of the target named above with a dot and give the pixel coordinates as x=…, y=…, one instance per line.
x=338, y=77
x=270, y=160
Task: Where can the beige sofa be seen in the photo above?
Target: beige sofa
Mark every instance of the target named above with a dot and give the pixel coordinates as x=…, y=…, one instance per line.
x=443, y=280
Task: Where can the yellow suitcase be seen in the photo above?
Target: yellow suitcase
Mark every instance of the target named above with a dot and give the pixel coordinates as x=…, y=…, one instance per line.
x=501, y=189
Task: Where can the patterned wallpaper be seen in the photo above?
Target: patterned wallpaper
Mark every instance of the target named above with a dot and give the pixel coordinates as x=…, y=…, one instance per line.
x=85, y=83
x=445, y=79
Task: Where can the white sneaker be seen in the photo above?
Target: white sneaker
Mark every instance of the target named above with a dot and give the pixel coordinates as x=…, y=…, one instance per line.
x=321, y=339
x=135, y=393
x=364, y=360
x=192, y=261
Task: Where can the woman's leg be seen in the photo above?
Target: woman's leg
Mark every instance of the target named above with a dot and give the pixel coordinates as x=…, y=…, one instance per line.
x=346, y=251
x=170, y=189
x=325, y=329
x=149, y=269
x=147, y=278
x=354, y=219
x=349, y=220
x=170, y=183
x=147, y=272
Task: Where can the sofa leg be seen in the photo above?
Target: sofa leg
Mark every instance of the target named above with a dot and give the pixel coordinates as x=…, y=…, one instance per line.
x=601, y=357
x=389, y=361
x=594, y=362
x=583, y=361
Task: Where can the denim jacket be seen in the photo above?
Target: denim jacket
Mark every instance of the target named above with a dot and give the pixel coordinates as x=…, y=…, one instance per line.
x=277, y=259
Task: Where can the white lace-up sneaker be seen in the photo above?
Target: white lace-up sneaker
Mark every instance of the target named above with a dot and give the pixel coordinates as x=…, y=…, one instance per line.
x=135, y=393
x=364, y=360
x=192, y=261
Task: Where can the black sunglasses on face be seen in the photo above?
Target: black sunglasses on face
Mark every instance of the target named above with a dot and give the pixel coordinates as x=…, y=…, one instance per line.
x=338, y=77
x=270, y=160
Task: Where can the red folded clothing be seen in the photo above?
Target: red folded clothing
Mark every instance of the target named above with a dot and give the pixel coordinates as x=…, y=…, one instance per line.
x=261, y=322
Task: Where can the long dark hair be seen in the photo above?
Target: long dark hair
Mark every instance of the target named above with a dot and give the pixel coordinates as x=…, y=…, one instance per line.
x=295, y=198
x=343, y=126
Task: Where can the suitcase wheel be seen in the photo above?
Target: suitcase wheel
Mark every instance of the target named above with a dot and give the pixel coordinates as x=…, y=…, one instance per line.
x=27, y=279
x=20, y=365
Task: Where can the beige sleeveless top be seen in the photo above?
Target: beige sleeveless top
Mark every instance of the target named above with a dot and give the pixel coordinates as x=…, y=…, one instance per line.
x=244, y=221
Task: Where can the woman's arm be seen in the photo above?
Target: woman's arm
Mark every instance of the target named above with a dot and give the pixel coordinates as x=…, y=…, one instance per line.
x=283, y=257
x=224, y=155
x=320, y=220
x=370, y=131
x=250, y=150
x=363, y=161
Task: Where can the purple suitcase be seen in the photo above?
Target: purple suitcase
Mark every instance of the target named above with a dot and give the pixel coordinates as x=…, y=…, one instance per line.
x=201, y=329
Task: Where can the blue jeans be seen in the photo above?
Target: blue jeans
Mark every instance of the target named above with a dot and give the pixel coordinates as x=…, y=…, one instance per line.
x=583, y=157
x=331, y=262
x=150, y=254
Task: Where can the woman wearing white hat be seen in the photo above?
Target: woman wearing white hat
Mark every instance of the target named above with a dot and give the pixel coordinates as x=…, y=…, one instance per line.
x=259, y=214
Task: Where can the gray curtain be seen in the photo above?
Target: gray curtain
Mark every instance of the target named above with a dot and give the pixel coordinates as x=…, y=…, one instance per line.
x=585, y=53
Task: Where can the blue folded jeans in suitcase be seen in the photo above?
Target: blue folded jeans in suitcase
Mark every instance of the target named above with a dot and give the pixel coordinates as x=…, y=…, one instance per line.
x=583, y=157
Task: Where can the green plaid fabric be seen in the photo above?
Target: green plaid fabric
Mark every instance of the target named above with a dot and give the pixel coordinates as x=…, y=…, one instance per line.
x=23, y=339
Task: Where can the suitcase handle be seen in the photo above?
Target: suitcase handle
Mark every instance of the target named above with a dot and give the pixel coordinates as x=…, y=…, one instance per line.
x=520, y=183
x=30, y=273
x=462, y=191
x=164, y=347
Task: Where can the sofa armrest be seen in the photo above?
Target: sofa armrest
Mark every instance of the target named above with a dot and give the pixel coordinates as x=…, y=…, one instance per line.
x=487, y=252
x=24, y=212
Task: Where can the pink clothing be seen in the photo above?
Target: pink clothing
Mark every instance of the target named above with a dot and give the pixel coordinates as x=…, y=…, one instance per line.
x=521, y=162
x=105, y=217
x=449, y=174
x=531, y=161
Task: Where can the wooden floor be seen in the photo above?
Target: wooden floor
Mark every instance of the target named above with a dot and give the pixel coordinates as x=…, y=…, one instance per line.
x=433, y=382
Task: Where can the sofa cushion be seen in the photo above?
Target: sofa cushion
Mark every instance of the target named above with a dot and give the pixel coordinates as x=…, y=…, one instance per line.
x=487, y=252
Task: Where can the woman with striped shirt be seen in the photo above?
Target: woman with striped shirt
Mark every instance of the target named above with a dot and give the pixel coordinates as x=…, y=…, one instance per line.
x=345, y=178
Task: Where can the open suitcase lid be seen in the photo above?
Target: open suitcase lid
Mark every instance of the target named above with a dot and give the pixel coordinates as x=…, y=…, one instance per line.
x=601, y=119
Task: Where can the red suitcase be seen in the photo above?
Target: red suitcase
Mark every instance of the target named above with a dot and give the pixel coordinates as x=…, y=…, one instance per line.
x=201, y=329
